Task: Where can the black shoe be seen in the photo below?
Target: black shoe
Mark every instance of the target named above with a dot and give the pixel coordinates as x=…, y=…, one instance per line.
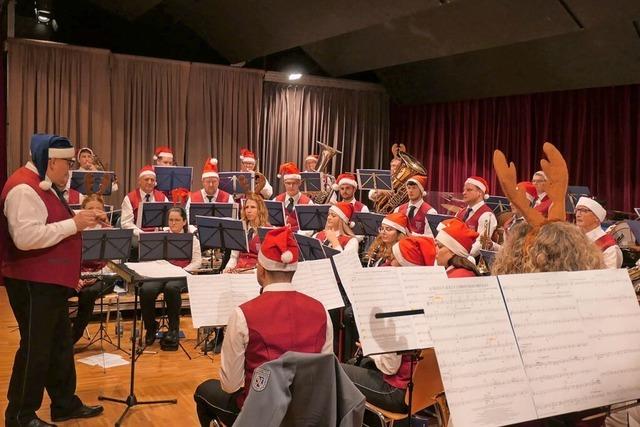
x=170, y=340
x=83, y=411
x=150, y=336
x=35, y=422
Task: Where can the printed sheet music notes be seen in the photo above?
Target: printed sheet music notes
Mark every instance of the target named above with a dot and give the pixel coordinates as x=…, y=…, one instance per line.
x=317, y=280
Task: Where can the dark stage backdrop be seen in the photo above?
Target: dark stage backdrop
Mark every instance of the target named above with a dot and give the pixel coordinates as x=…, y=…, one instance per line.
x=597, y=130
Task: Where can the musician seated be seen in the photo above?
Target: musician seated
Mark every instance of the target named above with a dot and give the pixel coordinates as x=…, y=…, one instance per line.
x=254, y=215
x=416, y=209
x=542, y=202
x=171, y=288
x=87, y=162
x=516, y=217
x=346, y=185
x=210, y=192
x=263, y=329
x=454, y=243
x=72, y=196
x=145, y=193
x=337, y=233
x=90, y=289
x=477, y=215
x=392, y=229
x=292, y=196
x=248, y=164
x=589, y=217
x=394, y=167
x=163, y=156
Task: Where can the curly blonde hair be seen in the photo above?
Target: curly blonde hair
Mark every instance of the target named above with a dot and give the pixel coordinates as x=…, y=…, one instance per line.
x=380, y=250
x=557, y=246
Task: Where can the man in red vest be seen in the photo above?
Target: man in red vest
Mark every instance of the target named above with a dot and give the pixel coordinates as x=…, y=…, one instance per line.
x=209, y=193
x=589, y=217
x=347, y=185
x=477, y=215
x=145, y=193
x=416, y=209
x=263, y=329
x=542, y=203
x=292, y=196
x=41, y=256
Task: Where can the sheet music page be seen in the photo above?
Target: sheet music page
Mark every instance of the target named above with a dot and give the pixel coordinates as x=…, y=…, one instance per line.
x=347, y=264
x=316, y=279
x=214, y=297
x=610, y=310
x=477, y=353
x=380, y=290
x=558, y=359
x=160, y=269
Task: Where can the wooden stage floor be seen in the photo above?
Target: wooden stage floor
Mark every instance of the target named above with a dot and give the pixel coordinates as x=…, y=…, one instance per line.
x=163, y=375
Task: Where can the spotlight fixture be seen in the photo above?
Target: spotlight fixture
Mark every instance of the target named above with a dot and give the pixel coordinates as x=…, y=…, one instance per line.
x=295, y=76
x=43, y=11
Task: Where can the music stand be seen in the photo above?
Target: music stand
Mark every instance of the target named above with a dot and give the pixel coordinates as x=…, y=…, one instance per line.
x=498, y=204
x=99, y=181
x=311, y=182
x=488, y=256
x=221, y=210
x=276, y=213
x=237, y=182
x=312, y=217
x=171, y=177
x=367, y=223
x=310, y=248
x=164, y=245
x=222, y=233
x=374, y=179
x=329, y=252
x=435, y=220
x=154, y=214
x=574, y=192
x=262, y=232
x=637, y=211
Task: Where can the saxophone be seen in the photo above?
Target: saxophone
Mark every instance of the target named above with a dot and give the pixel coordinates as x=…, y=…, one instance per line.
x=388, y=201
x=323, y=197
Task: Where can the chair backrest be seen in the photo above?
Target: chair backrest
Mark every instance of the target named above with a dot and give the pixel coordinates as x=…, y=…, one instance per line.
x=427, y=383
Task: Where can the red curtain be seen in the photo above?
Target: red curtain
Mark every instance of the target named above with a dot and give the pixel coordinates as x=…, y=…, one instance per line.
x=597, y=130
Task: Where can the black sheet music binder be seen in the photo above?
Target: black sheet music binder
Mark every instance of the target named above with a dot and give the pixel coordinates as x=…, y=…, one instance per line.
x=310, y=248
x=311, y=182
x=367, y=223
x=155, y=214
x=237, y=182
x=276, y=212
x=87, y=182
x=220, y=210
x=106, y=244
x=165, y=245
x=374, y=179
x=171, y=177
x=222, y=233
x=312, y=217
x=435, y=220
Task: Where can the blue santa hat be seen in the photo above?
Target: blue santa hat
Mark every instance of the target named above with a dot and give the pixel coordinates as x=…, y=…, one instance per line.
x=45, y=147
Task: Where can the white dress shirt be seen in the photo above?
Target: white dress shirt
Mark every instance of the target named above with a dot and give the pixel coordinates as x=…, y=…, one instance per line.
x=482, y=225
x=388, y=363
x=127, y=217
x=27, y=216
x=418, y=203
x=267, y=190
x=612, y=255
x=237, y=338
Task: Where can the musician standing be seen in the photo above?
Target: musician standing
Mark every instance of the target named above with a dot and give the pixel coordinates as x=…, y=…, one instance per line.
x=248, y=164
x=347, y=185
x=41, y=256
x=292, y=196
x=589, y=217
x=145, y=193
x=416, y=209
x=542, y=202
x=477, y=215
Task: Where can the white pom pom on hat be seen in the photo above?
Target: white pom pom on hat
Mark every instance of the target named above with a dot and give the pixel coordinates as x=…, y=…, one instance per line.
x=213, y=161
x=286, y=257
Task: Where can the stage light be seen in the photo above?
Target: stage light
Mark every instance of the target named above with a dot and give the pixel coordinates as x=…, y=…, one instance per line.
x=43, y=11
x=295, y=76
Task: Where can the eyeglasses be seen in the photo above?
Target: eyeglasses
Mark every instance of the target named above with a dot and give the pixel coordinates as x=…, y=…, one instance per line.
x=581, y=211
x=385, y=229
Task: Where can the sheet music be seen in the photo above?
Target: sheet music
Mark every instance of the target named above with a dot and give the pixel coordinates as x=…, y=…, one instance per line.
x=557, y=355
x=316, y=279
x=477, y=353
x=160, y=269
x=380, y=290
x=347, y=264
x=214, y=297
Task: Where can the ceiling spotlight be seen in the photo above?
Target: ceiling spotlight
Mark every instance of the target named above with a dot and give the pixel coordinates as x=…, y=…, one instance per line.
x=295, y=76
x=44, y=13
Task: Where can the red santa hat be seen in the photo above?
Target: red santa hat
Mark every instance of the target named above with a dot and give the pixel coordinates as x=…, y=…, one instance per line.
x=83, y=150
x=415, y=251
x=311, y=157
x=345, y=178
x=247, y=156
x=529, y=190
x=593, y=206
x=479, y=182
x=420, y=181
x=443, y=224
x=397, y=220
x=344, y=210
x=147, y=171
x=163, y=152
x=289, y=170
x=210, y=169
x=279, y=250
x=458, y=238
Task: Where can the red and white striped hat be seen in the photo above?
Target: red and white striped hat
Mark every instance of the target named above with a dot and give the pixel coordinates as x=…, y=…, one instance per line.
x=479, y=182
x=279, y=250
x=459, y=238
x=415, y=251
x=146, y=171
x=345, y=178
x=289, y=170
x=420, y=181
x=163, y=152
x=247, y=156
x=344, y=210
x=397, y=220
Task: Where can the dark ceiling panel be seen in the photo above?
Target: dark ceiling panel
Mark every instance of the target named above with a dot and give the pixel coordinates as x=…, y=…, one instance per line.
x=130, y=9
x=450, y=29
x=604, y=56
x=597, y=12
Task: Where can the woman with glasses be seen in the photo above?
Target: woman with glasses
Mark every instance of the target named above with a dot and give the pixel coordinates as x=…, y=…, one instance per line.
x=392, y=229
x=254, y=215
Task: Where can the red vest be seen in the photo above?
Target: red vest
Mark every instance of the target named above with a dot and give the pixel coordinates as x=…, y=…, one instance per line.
x=58, y=264
x=472, y=221
x=418, y=223
x=455, y=273
x=401, y=378
x=222, y=197
x=357, y=206
x=605, y=242
x=322, y=236
x=250, y=259
x=292, y=219
x=279, y=322
x=134, y=198
x=74, y=197
x=544, y=206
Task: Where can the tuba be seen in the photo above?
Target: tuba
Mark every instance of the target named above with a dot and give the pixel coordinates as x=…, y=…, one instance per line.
x=327, y=154
x=388, y=201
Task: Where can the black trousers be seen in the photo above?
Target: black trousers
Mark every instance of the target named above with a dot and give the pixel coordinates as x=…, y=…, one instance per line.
x=213, y=403
x=45, y=356
x=378, y=392
x=172, y=290
x=86, y=301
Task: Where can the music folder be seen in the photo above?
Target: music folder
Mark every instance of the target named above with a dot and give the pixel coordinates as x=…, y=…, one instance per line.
x=276, y=212
x=106, y=244
x=154, y=214
x=498, y=204
x=310, y=248
x=311, y=182
x=171, y=177
x=312, y=217
x=374, y=179
x=165, y=245
x=435, y=220
x=221, y=210
x=87, y=182
x=367, y=223
x=237, y=182
x=225, y=233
